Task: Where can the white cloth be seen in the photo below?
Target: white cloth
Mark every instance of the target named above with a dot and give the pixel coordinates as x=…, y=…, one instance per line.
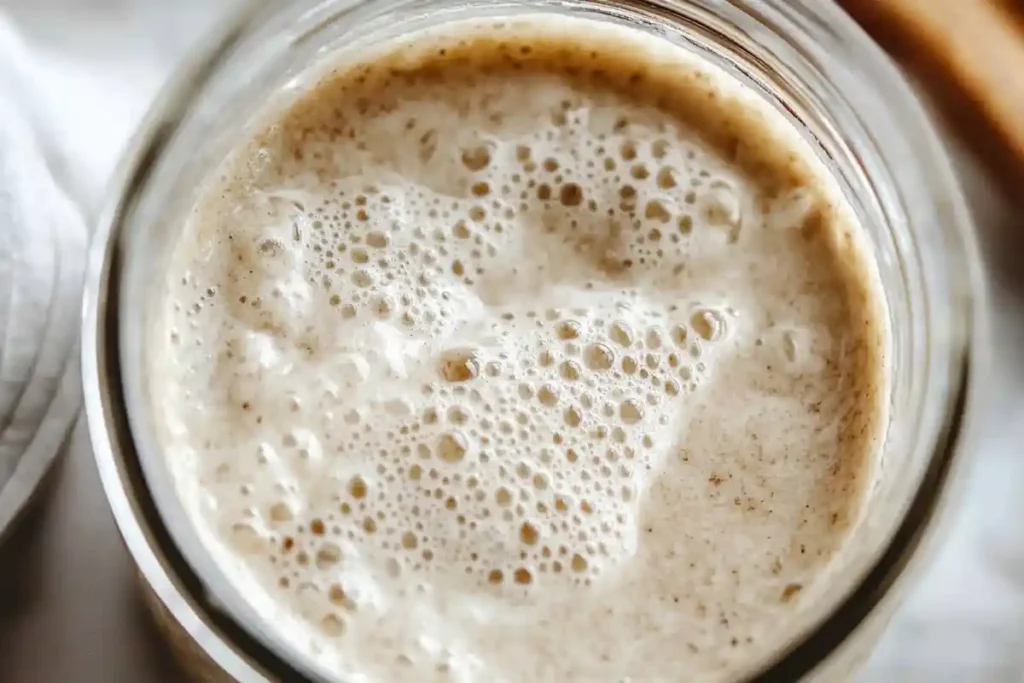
x=42, y=250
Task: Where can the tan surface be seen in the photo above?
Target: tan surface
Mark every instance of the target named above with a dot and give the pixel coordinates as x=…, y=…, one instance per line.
x=970, y=53
x=69, y=610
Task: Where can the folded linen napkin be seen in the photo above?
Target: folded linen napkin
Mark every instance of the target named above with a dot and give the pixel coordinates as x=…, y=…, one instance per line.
x=43, y=240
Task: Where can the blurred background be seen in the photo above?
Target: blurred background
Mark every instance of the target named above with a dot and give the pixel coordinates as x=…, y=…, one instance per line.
x=85, y=71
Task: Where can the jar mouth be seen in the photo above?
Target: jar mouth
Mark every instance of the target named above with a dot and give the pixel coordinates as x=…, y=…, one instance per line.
x=183, y=579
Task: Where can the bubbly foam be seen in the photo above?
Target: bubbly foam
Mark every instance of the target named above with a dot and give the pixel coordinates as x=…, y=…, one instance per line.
x=528, y=352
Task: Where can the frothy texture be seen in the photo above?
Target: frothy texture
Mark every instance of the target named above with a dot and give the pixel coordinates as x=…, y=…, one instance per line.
x=533, y=351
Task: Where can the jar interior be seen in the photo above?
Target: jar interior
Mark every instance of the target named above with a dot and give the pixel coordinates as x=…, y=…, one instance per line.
x=778, y=49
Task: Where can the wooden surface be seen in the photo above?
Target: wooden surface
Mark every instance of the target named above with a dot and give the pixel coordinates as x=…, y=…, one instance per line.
x=970, y=55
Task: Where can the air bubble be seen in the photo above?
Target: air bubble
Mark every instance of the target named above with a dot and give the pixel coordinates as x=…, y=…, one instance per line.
x=621, y=334
x=679, y=335
x=570, y=371
x=547, y=396
x=333, y=626
x=656, y=211
x=377, y=240
x=627, y=195
x=571, y=194
x=460, y=365
x=598, y=357
x=709, y=324
x=281, y=512
x=572, y=417
x=528, y=534
x=503, y=497
x=653, y=339
x=458, y=416
x=631, y=411
x=328, y=555
x=362, y=278
x=721, y=205
x=452, y=447
x=667, y=178
x=476, y=158
x=569, y=329
x=357, y=488
x=337, y=596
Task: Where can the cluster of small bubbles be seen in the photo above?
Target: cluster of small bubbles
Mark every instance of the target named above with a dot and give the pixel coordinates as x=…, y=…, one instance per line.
x=539, y=448
x=520, y=464
x=520, y=454
x=404, y=252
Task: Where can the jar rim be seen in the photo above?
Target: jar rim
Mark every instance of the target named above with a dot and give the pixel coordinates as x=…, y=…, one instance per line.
x=153, y=548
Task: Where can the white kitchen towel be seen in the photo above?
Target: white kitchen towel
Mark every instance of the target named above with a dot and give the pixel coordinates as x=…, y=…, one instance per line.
x=43, y=240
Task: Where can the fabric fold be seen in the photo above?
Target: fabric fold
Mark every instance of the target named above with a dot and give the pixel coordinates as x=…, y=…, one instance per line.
x=43, y=240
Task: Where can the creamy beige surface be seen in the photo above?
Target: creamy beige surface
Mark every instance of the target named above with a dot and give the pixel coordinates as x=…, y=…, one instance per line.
x=535, y=351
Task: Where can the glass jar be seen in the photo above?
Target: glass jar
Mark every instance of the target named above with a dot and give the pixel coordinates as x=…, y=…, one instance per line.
x=805, y=57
